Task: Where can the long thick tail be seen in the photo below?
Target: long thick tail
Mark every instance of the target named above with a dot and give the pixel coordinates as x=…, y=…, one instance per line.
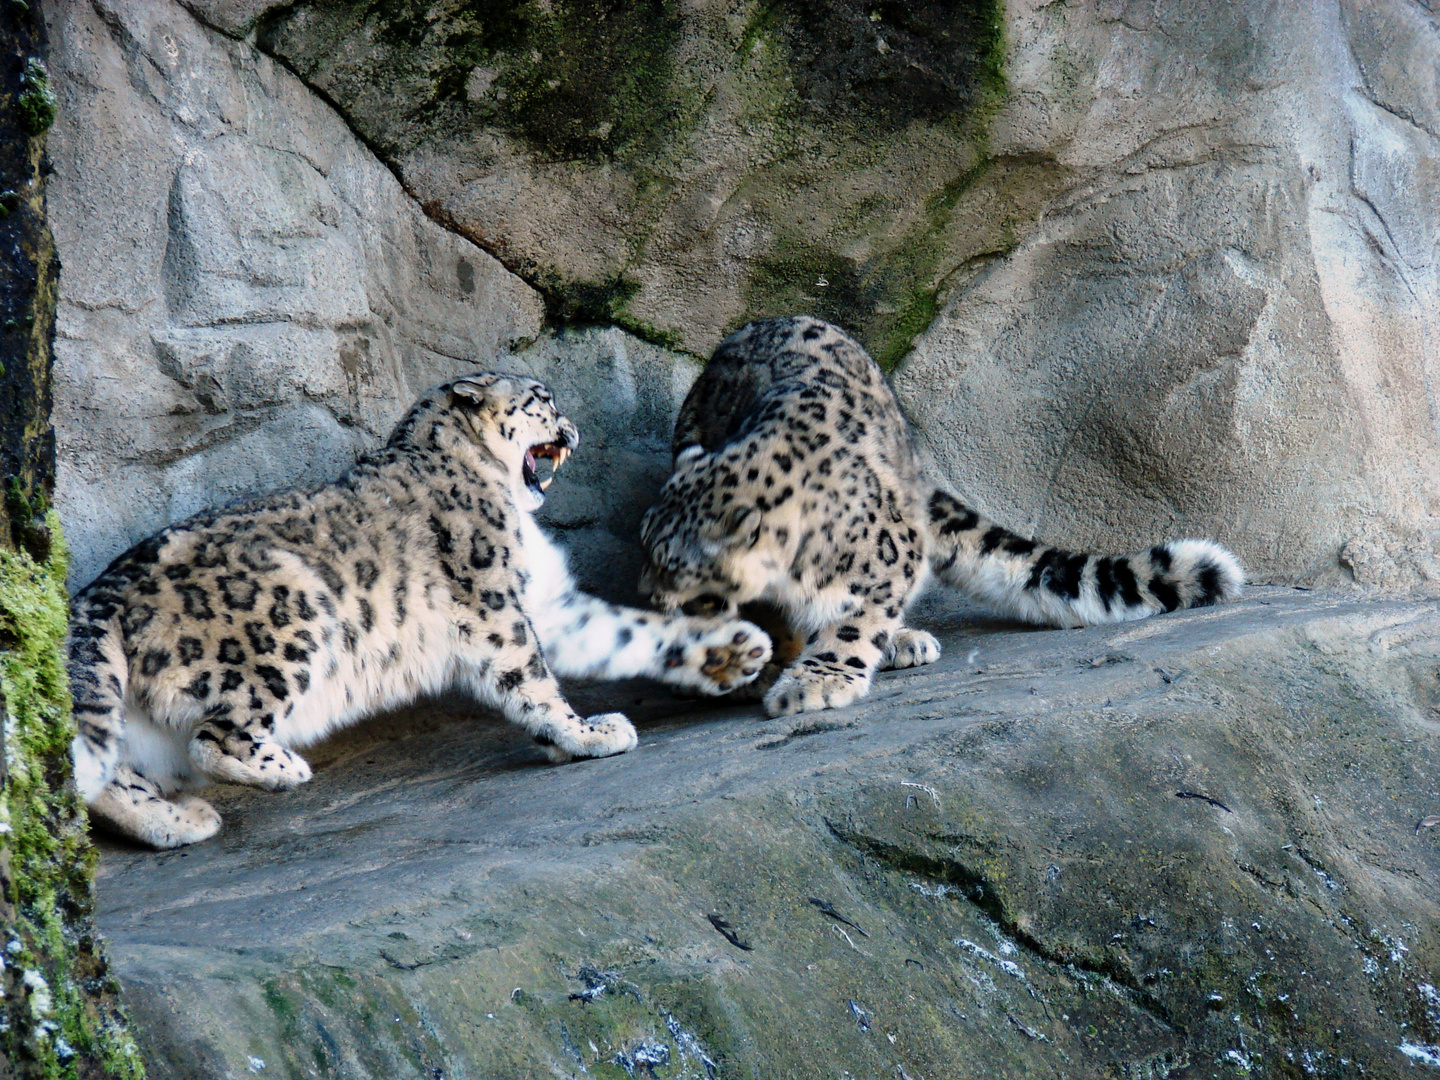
x=1046, y=585
x=98, y=676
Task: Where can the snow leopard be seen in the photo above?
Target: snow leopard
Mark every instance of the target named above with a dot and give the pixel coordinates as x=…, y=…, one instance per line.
x=799, y=498
x=218, y=647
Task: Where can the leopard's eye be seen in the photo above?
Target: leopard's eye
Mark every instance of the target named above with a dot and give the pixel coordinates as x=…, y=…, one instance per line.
x=704, y=604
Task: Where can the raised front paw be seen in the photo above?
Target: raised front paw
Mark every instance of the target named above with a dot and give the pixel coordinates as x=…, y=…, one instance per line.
x=594, y=736
x=910, y=648
x=716, y=657
x=811, y=685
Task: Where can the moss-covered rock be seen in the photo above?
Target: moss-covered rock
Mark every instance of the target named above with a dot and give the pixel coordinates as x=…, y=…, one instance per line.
x=676, y=168
x=28, y=271
x=59, y=1014
x=1187, y=849
x=36, y=102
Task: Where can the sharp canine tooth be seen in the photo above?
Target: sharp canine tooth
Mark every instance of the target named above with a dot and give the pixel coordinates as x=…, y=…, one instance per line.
x=544, y=484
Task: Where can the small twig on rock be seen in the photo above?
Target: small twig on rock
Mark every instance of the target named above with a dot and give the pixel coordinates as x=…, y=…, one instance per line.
x=728, y=933
x=934, y=795
x=849, y=941
x=1203, y=798
x=861, y=1015
x=827, y=908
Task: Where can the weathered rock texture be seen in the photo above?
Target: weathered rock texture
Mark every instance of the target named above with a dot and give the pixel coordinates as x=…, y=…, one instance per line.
x=1183, y=848
x=250, y=298
x=27, y=284
x=59, y=1011
x=1185, y=253
x=1183, y=262
x=1225, y=321
x=673, y=167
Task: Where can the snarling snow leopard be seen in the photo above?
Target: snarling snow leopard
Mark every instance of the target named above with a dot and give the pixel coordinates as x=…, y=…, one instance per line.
x=217, y=647
x=797, y=487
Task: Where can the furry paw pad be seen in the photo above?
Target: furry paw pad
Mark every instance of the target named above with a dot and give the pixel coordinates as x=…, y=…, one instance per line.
x=281, y=769
x=137, y=808
x=255, y=763
x=196, y=820
x=717, y=659
x=910, y=648
x=808, y=690
x=596, y=736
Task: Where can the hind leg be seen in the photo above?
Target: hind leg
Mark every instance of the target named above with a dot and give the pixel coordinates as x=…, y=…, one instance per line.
x=910, y=648
x=135, y=806
x=245, y=752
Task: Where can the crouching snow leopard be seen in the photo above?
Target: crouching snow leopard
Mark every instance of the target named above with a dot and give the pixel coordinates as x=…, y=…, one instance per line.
x=214, y=649
x=797, y=487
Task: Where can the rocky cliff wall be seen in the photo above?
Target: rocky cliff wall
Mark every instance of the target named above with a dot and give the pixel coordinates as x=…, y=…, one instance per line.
x=1176, y=261
x=1224, y=321
x=250, y=298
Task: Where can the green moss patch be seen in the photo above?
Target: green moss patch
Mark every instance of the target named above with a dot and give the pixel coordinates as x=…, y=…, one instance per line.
x=36, y=101
x=887, y=298
x=875, y=263
x=59, y=1009
x=577, y=81
x=890, y=63
x=827, y=123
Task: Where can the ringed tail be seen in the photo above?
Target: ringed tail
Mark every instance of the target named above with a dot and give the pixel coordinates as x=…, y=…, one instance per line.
x=1047, y=585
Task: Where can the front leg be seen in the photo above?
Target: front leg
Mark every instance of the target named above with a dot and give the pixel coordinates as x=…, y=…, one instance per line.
x=589, y=638
x=516, y=679
x=836, y=666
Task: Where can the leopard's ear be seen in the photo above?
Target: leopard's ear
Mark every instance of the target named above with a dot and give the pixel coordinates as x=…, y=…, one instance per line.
x=689, y=453
x=477, y=389
x=737, y=527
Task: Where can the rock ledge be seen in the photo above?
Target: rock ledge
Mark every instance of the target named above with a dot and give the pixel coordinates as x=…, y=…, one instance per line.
x=1183, y=847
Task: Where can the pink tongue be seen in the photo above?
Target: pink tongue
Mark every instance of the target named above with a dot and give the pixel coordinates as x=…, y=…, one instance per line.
x=529, y=461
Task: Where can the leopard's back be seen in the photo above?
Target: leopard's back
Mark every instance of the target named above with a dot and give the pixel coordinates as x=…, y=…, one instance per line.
x=303, y=610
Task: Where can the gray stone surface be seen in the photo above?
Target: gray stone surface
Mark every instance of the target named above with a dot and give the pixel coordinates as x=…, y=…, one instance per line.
x=1185, y=265
x=1187, y=847
x=1225, y=323
x=678, y=168
x=249, y=298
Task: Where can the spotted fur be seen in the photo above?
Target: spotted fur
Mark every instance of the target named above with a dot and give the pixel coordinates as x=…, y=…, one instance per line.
x=217, y=648
x=797, y=489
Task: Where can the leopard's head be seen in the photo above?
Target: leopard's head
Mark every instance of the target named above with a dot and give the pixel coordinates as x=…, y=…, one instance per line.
x=512, y=417
x=696, y=539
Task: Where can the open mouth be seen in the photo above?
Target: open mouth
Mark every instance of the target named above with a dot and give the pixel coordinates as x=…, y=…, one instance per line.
x=530, y=468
